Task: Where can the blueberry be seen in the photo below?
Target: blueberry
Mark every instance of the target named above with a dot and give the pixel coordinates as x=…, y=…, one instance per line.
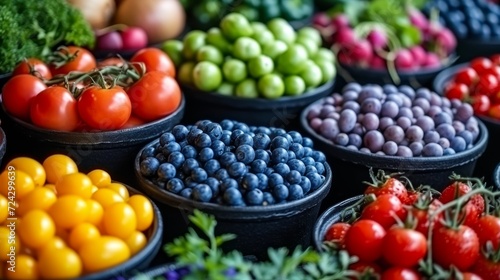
x=258, y=166
x=263, y=129
x=298, y=149
x=229, y=149
x=280, y=192
x=293, y=177
x=296, y=136
x=307, y=151
x=148, y=152
x=161, y=157
x=186, y=193
x=245, y=153
x=189, y=151
x=199, y=174
x=205, y=154
x=305, y=184
x=214, y=130
x=307, y=142
x=189, y=182
x=467, y=135
x=228, y=183
x=202, y=192
x=180, y=132
x=221, y=174
x=233, y=197
x=171, y=147
x=458, y=144
x=291, y=155
x=226, y=138
x=277, y=132
x=316, y=180
x=211, y=166
x=250, y=181
x=166, y=138
x=279, y=155
x=235, y=134
x=181, y=175
x=432, y=150
x=227, y=158
x=280, y=142
x=201, y=124
x=188, y=165
x=237, y=169
x=308, y=161
x=318, y=156
x=282, y=168
x=268, y=199
x=241, y=126
x=218, y=148
x=193, y=133
x=310, y=168
x=176, y=159
x=263, y=155
x=174, y=185
x=149, y=166
x=263, y=181
x=269, y=171
x=214, y=185
x=261, y=141
x=202, y=141
x=296, y=164
x=320, y=167
x=275, y=179
x=448, y=151
x=227, y=124
x=254, y=197
x=295, y=192
x=243, y=139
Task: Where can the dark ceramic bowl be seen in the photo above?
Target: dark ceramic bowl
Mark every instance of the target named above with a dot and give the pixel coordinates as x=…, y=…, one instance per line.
x=257, y=227
x=352, y=167
x=143, y=258
x=283, y=112
x=4, y=77
x=496, y=177
x=487, y=163
x=3, y=145
x=468, y=49
x=113, y=151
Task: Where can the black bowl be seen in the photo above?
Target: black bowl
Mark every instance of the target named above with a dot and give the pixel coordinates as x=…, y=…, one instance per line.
x=113, y=151
x=257, y=227
x=487, y=163
x=468, y=49
x=352, y=167
x=283, y=112
x=329, y=217
x=3, y=145
x=496, y=177
x=143, y=258
x=4, y=77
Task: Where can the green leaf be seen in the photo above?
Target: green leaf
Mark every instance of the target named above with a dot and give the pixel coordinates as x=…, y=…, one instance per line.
x=219, y=240
x=409, y=35
x=204, y=222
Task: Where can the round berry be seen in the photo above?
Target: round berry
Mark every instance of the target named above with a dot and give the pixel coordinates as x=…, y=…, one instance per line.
x=199, y=174
x=149, y=166
x=254, y=197
x=202, y=192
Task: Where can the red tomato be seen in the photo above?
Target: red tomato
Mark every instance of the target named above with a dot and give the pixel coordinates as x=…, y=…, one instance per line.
x=80, y=60
x=104, y=108
x=154, y=96
x=487, y=229
x=400, y=273
x=458, y=247
x=33, y=66
x=364, y=240
x=422, y=217
x=494, y=111
x=383, y=210
x=471, y=276
x=133, y=121
x=336, y=233
x=404, y=247
x=112, y=61
x=18, y=92
x=474, y=207
x=481, y=103
x=412, y=197
x=467, y=76
x=366, y=268
x=453, y=191
x=55, y=108
x=456, y=91
x=487, y=269
x=495, y=59
x=155, y=60
x=495, y=71
x=488, y=84
x=389, y=186
x=481, y=64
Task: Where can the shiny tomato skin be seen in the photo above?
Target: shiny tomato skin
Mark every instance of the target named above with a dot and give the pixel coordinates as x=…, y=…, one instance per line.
x=467, y=76
x=154, y=96
x=18, y=92
x=133, y=121
x=456, y=91
x=488, y=84
x=481, y=103
x=494, y=111
x=486, y=269
x=487, y=228
x=404, y=247
x=33, y=66
x=336, y=233
x=104, y=108
x=111, y=61
x=383, y=209
x=155, y=59
x=55, y=108
x=390, y=186
x=457, y=247
x=400, y=273
x=481, y=64
x=421, y=217
x=364, y=239
x=83, y=61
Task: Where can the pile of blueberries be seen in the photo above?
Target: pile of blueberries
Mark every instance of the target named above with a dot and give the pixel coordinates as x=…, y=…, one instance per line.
x=231, y=163
x=395, y=121
x=475, y=19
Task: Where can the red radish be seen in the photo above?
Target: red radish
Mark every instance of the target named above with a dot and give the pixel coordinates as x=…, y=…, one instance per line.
x=431, y=61
x=110, y=41
x=134, y=38
x=404, y=60
x=378, y=63
x=418, y=19
x=361, y=52
x=344, y=57
x=344, y=36
x=340, y=21
x=377, y=38
x=418, y=54
x=321, y=20
x=446, y=40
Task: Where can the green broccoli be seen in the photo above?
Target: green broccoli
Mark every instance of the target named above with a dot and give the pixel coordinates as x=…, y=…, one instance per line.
x=33, y=28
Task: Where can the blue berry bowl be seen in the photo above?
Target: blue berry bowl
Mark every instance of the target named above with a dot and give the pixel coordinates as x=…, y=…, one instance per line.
x=239, y=203
x=496, y=177
x=113, y=151
x=487, y=163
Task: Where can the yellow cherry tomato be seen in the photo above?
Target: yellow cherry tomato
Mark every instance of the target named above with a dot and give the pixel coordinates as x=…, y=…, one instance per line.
x=94, y=189
x=4, y=208
x=10, y=245
x=32, y=167
x=63, y=233
x=58, y=165
x=136, y=241
x=103, y=252
x=15, y=184
x=26, y=268
x=69, y=211
x=36, y=229
x=120, y=189
x=143, y=210
x=39, y=198
x=106, y=197
x=28, y=251
x=51, y=187
x=74, y=183
x=119, y=220
x=95, y=212
x=100, y=178
x=55, y=243
x=82, y=233
x=63, y=263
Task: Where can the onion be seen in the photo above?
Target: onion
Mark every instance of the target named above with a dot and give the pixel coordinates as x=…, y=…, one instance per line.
x=98, y=13
x=161, y=19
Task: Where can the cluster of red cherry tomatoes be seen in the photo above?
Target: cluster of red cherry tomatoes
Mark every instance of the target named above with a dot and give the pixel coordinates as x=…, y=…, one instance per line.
x=71, y=91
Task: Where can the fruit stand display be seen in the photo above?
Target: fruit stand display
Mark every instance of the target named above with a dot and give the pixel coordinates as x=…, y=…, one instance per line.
x=168, y=139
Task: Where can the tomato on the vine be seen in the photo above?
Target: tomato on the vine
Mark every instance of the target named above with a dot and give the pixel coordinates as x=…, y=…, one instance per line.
x=111, y=61
x=494, y=111
x=155, y=59
x=467, y=76
x=425, y=217
x=404, y=247
x=336, y=233
x=133, y=121
x=400, y=273
x=383, y=210
x=154, y=95
x=55, y=108
x=481, y=104
x=488, y=84
x=486, y=269
x=73, y=59
x=366, y=268
x=455, y=246
x=389, y=186
x=474, y=207
x=33, y=66
x=18, y=92
x=481, y=64
x=456, y=91
x=364, y=239
x=104, y=108
x=495, y=59
x=487, y=228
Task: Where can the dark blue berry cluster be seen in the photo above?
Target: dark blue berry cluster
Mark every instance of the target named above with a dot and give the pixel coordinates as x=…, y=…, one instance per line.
x=234, y=164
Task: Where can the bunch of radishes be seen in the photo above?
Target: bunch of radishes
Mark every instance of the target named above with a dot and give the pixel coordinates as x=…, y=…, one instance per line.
x=377, y=45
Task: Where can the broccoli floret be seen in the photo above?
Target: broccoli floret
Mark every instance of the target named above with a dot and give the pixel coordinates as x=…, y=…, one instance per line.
x=33, y=28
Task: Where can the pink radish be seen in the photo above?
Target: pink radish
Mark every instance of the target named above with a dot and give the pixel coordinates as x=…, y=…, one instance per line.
x=431, y=61
x=134, y=38
x=404, y=60
x=360, y=52
x=446, y=40
x=340, y=21
x=344, y=36
x=377, y=62
x=377, y=38
x=344, y=57
x=418, y=19
x=110, y=41
x=321, y=20
x=418, y=54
